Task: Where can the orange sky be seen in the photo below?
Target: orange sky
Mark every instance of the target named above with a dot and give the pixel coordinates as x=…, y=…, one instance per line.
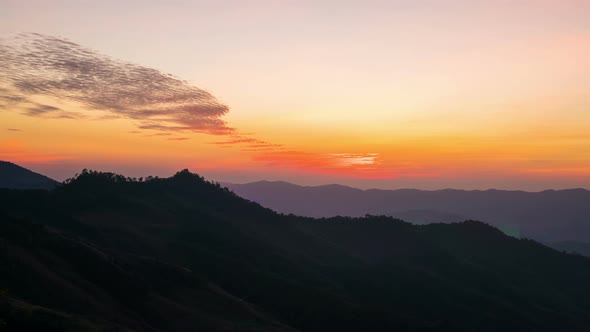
x=436, y=94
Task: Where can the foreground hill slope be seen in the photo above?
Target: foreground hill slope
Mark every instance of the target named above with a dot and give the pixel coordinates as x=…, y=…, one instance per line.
x=106, y=253
x=15, y=177
x=548, y=216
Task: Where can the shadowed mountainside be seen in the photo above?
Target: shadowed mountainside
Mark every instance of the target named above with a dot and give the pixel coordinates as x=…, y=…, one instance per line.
x=105, y=253
x=15, y=177
x=580, y=248
x=548, y=216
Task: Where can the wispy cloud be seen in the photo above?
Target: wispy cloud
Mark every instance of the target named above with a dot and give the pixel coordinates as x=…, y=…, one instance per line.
x=51, y=112
x=248, y=143
x=236, y=140
x=13, y=129
x=366, y=160
x=38, y=65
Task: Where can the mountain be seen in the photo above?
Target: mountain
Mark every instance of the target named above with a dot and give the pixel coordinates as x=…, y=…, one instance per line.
x=15, y=177
x=105, y=253
x=548, y=216
x=580, y=248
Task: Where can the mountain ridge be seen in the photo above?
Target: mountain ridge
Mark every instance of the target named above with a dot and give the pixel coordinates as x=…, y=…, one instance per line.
x=186, y=254
x=232, y=184
x=13, y=176
x=548, y=216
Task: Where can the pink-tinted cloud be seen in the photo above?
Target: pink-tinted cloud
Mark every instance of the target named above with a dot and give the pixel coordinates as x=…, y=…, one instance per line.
x=351, y=165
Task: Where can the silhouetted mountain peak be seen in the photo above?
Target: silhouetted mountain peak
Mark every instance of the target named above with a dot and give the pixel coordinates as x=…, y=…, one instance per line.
x=13, y=176
x=186, y=177
x=185, y=174
x=94, y=178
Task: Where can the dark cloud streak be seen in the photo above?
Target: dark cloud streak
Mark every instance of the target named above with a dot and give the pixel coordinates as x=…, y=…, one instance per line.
x=50, y=112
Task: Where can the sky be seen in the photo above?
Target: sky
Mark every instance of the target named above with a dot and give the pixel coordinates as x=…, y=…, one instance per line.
x=371, y=94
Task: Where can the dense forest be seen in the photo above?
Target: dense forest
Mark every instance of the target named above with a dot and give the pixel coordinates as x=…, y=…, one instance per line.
x=103, y=252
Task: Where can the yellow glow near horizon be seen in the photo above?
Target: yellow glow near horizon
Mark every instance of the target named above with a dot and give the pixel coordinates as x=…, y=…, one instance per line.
x=469, y=94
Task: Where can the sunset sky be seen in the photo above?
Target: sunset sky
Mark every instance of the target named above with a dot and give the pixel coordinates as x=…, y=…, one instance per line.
x=373, y=94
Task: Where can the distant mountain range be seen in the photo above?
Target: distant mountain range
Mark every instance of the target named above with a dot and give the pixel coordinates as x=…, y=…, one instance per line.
x=548, y=216
x=105, y=253
x=556, y=217
x=13, y=176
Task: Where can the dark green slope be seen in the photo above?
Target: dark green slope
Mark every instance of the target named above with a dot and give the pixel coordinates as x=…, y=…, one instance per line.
x=15, y=177
x=182, y=254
